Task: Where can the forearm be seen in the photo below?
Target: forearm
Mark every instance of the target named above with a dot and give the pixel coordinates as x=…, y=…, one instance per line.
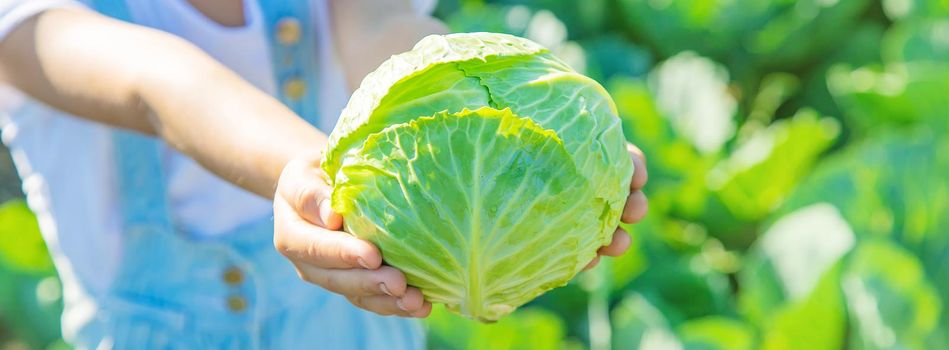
x=155, y=83
x=223, y=122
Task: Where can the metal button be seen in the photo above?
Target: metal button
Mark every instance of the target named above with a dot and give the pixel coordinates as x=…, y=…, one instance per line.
x=233, y=276
x=236, y=303
x=288, y=31
x=294, y=88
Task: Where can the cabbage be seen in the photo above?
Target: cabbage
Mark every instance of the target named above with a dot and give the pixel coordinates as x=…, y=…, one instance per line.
x=483, y=167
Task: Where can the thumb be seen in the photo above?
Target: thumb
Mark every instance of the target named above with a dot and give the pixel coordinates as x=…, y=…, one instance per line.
x=304, y=187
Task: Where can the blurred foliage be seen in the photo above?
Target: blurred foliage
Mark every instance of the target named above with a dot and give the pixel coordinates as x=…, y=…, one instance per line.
x=797, y=155
x=30, y=292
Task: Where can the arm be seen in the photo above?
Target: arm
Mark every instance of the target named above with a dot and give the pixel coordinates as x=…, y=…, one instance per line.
x=146, y=80
x=152, y=82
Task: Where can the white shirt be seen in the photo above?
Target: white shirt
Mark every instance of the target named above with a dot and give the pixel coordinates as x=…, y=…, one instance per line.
x=67, y=163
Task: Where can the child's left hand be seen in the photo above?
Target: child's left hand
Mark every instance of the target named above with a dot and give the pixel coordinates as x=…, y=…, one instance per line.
x=308, y=232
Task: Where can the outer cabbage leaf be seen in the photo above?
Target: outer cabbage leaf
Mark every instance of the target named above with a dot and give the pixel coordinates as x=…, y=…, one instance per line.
x=417, y=83
x=482, y=210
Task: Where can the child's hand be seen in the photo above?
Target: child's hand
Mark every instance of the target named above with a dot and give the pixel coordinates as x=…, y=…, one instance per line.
x=636, y=207
x=307, y=231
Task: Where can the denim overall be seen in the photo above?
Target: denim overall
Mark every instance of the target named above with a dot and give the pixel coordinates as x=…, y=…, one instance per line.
x=232, y=291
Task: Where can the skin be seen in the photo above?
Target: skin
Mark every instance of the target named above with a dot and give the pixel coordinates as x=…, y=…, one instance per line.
x=152, y=82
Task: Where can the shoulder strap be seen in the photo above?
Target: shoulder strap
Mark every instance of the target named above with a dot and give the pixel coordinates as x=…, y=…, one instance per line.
x=291, y=33
x=142, y=196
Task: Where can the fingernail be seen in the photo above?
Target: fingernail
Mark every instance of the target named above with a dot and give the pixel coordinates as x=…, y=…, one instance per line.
x=325, y=209
x=382, y=286
x=398, y=302
x=363, y=263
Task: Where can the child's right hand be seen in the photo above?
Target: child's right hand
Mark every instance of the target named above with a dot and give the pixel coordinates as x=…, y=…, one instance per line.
x=308, y=232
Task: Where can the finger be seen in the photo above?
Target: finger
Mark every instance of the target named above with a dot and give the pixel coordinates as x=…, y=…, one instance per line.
x=637, y=205
x=592, y=263
x=382, y=305
x=411, y=303
x=304, y=242
x=386, y=280
x=640, y=174
x=619, y=245
x=304, y=187
x=424, y=311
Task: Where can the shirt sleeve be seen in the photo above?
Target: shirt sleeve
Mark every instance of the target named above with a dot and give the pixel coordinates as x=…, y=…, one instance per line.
x=14, y=12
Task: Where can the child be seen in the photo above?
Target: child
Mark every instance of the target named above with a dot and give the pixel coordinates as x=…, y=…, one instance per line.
x=154, y=248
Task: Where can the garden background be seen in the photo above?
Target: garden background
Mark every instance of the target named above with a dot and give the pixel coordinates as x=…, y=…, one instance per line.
x=799, y=180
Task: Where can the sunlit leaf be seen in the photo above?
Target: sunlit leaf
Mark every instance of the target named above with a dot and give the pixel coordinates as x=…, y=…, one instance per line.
x=920, y=40
x=790, y=285
x=22, y=245
x=891, y=187
x=908, y=9
x=692, y=91
x=528, y=328
x=638, y=324
x=716, y=332
x=816, y=322
x=766, y=166
x=677, y=170
x=898, y=94
x=889, y=298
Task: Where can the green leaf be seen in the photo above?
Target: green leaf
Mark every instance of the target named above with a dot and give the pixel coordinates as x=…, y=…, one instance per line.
x=803, y=30
x=685, y=282
x=528, y=328
x=789, y=287
x=920, y=40
x=639, y=324
x=677, y=171
x=490, y=18
x=610, y=56
x=890, y=301
x=908, y=9
x=584, y=19
x=692, y=92
x=765, y=167
x=771, y=33
x=817, y=322
x=23, y=248
x=716, y=332
x=710, y=27
x=890, y=186
x=897, y=95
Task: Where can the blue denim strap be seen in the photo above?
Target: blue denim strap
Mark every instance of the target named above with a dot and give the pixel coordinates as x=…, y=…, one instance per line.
x=142, y=192
x=293, y=54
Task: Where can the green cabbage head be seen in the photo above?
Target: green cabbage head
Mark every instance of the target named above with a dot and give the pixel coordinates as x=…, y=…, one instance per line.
x=483, y=167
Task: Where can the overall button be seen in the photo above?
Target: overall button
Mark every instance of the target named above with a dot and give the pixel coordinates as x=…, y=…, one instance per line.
x=288, y=31
x=236, y=303
x=233, y=276
x=294, y=88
